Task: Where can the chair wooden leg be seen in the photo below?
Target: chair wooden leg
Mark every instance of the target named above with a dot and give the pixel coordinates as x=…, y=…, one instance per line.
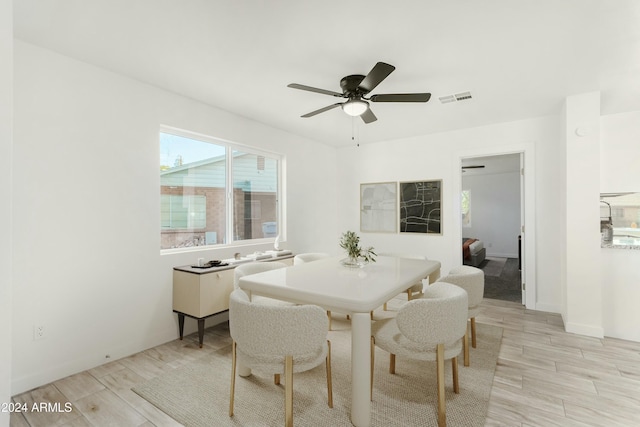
x=409, y=295
x=384, y=306
x=276, y=379
x=329, y=317
x=233, y=378
x=392, y=363
x=329, y=384
x=473, y=332
x=373, y=356
x=442, y=409
x=465, y=346
x=288, y=391
x=454, y=371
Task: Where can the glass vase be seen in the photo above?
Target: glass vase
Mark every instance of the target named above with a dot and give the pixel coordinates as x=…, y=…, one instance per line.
x=352, y=262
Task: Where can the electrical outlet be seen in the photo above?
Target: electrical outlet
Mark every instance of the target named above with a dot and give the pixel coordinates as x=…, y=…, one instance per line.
x=38, y=332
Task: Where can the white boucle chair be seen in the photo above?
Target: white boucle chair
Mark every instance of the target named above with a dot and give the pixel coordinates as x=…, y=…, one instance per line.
x=471, y=279
x=309, y=257
x=276, y=340
x=428, y=328
x=417, y=287
x=255, y=268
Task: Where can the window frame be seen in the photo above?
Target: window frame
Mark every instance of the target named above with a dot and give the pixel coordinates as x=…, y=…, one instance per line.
x=230, y=147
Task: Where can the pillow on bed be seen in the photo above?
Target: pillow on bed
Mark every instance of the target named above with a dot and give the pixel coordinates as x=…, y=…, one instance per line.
x=476, y=246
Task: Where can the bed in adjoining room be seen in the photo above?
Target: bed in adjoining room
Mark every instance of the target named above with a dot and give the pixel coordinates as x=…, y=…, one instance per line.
x=473, y=251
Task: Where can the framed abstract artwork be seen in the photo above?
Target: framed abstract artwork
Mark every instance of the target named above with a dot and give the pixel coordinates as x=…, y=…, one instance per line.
x=378, y=207
x=420, y=207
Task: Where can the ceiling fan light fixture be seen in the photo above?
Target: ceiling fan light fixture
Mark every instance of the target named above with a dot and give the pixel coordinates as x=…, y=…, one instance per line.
x=355, y=107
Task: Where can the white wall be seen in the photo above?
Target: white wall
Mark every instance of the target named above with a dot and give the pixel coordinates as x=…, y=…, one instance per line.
x=619, y=152
x=6, y=143
x=495, y=211
x=583, y=314
x=86, y=152
x=432, y=157
x=619, y=172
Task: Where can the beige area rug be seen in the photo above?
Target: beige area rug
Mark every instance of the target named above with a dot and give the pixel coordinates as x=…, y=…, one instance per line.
x=198, y=394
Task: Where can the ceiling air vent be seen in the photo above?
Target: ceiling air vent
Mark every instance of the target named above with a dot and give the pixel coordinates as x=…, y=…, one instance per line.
x=455, y=98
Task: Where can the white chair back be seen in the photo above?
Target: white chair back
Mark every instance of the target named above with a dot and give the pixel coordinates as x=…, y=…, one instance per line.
x=471, y=279
x=273, y=331
x=254, y=268
x=308, y=257
x=444, y=308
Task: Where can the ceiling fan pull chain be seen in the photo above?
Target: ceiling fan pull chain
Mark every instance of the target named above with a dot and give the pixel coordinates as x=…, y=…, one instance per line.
x=353, y=132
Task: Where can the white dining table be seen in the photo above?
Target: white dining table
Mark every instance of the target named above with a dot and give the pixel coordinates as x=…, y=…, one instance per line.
x=355, y=291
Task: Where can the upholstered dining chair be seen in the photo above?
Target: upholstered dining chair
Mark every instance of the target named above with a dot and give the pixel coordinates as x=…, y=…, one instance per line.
x=429, y=328
x=278, y=340
x=255, y=268
x=471, y=279
x=310, y=257
x=414, y=289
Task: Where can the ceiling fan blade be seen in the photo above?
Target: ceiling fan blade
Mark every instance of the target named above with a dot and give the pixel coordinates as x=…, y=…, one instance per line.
x=322, y=110
x=378, y=73
x=314, y=89
x=401, y=97
x=368, y=116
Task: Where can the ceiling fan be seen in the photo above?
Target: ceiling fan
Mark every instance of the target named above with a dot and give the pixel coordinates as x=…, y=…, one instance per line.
x=355, y=89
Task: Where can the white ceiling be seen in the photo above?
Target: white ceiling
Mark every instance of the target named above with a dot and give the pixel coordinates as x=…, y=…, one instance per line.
x=519, y=58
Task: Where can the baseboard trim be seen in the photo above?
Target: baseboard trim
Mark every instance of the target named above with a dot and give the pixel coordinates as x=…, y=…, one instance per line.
x=93, y=359
x=587, y=330
x=549, y=308
x=501, y=255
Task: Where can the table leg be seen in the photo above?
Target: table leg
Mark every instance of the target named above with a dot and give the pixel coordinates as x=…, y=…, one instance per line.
x=360, y=369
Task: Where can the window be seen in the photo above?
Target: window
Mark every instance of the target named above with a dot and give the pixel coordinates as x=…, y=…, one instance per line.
x=621, y=211
x=465, y=205
x=197, y=204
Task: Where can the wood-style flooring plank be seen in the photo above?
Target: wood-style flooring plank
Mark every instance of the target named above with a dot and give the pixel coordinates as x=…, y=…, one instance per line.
x=104, y=408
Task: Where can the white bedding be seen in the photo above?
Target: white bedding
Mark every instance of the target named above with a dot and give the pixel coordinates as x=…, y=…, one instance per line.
x=476, y=247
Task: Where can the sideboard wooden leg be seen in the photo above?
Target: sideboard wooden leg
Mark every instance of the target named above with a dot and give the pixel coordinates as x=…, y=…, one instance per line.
x=201, y=331
x=181, y=324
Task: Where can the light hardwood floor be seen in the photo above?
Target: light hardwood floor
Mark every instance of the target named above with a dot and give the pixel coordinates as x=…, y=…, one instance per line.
x=544, y=377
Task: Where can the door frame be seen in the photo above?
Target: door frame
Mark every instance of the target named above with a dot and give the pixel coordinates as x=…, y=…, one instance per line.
x=527, y=196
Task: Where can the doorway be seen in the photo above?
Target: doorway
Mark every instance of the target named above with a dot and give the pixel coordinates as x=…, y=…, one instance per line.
x=491, y=220
x=524, y=237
